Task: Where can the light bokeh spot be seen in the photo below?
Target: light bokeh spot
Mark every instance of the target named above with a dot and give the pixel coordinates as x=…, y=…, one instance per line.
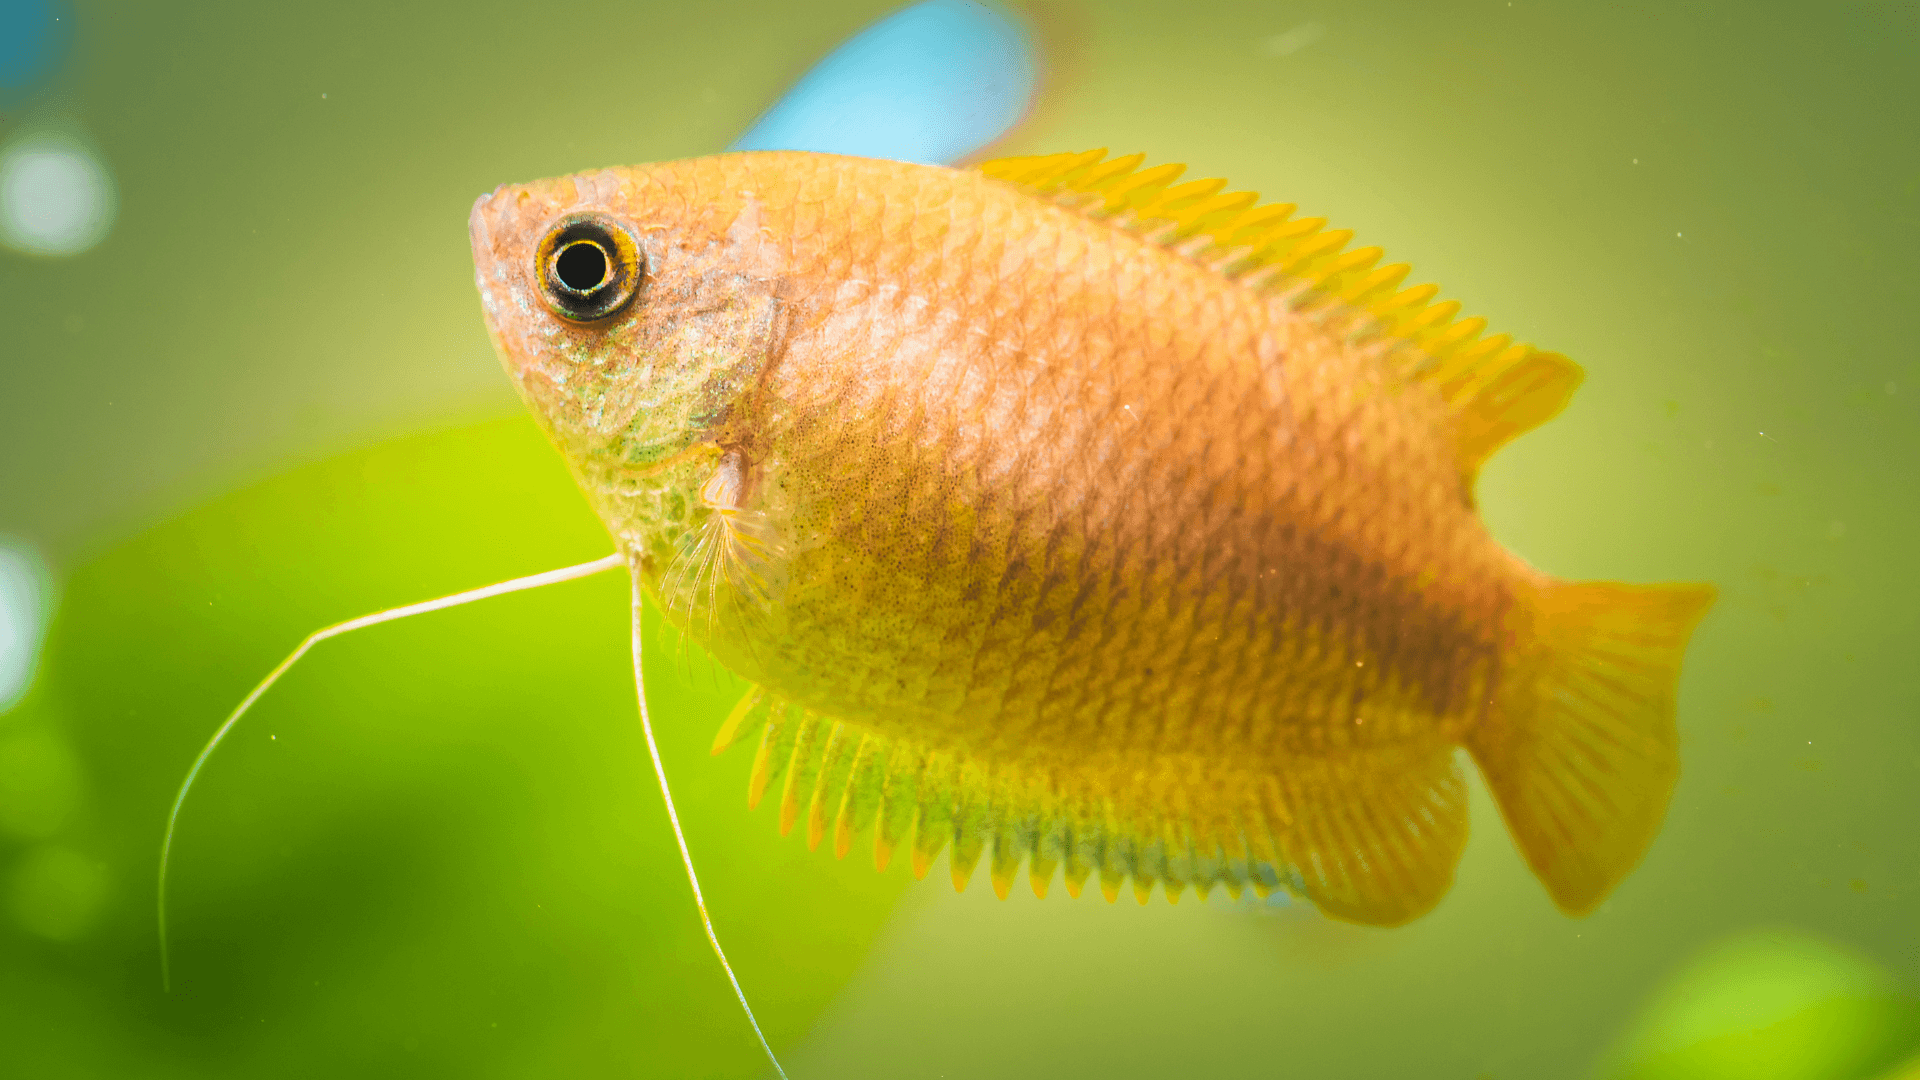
x=55, y=892
x=56, y=197
x=25, y=605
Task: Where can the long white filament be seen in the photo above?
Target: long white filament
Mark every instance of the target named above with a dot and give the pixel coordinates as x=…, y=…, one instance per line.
x=533, y=581
x=673, y=817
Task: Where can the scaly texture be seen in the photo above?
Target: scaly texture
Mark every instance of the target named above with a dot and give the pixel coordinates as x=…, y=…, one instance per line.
x=1497, y=388
x=1071, y=519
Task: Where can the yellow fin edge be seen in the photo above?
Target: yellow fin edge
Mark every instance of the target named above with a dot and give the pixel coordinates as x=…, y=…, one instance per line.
x=1495, y=389
x=1581, y=752
x=1297, y=834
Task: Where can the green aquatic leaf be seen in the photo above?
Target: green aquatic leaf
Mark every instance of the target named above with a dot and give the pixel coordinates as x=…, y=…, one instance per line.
x=1772, y=1005
x=436, y=847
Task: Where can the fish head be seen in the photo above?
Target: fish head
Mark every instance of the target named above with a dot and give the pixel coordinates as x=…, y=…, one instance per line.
x=635, y=309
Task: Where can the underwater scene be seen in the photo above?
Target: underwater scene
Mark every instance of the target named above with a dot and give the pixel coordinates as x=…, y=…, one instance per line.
x=1320, y=708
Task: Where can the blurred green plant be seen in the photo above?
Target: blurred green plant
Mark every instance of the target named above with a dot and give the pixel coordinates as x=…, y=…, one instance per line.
x=435, y=848
x=1908, y=1070
x=55, y=892
x=1773, y=1005
x=39, y=783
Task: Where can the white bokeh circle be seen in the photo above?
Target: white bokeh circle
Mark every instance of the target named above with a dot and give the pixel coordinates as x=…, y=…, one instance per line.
x=56, y=197
x=24, y=608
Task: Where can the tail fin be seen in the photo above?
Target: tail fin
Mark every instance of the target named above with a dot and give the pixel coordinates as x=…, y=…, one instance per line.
x=1581, y=750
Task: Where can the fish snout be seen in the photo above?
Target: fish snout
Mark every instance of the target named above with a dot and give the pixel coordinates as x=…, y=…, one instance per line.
x=478, y=232
x=554, y=260
x=505, y=228
x=493, y=226
x=500, y=256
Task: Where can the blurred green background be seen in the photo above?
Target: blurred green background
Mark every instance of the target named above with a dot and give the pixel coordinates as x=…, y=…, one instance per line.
x=266, y=402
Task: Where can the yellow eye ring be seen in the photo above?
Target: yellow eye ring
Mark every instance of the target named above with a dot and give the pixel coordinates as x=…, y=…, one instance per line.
x=589, y=266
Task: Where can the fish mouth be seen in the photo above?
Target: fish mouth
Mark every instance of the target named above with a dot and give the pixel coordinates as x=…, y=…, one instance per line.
x=478, y=233
x=489, y=278
x=502, y=214
x=482, y=222
x=495, y=228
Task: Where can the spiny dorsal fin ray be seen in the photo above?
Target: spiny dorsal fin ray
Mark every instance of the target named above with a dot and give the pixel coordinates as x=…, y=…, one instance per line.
x=1495, y=389
x=1383, y=863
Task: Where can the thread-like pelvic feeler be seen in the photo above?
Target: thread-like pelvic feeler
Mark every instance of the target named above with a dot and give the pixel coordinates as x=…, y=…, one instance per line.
x=501, y=588
x=673, y=818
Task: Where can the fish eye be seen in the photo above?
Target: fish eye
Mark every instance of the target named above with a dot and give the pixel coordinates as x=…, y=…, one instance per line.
x=589, y=266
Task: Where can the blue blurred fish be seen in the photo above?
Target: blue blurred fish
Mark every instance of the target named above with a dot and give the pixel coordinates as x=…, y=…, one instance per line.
x=932, y=83
x=34, y=35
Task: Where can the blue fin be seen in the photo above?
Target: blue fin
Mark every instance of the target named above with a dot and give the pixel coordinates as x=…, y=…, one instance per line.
x=931, y=83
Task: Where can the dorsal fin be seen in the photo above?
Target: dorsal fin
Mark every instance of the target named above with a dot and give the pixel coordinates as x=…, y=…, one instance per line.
x=1495, y=388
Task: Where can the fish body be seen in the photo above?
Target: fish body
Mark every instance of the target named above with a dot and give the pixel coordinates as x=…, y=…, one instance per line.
x=1066, y=517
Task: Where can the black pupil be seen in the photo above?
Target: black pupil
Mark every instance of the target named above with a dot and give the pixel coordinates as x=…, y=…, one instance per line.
x=581, y=266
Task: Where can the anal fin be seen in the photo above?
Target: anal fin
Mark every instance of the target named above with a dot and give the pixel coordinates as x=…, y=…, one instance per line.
x=1371, y=836
x=1375, y=836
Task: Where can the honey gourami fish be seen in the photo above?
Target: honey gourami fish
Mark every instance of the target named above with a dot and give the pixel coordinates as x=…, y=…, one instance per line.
x=1075, y=519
